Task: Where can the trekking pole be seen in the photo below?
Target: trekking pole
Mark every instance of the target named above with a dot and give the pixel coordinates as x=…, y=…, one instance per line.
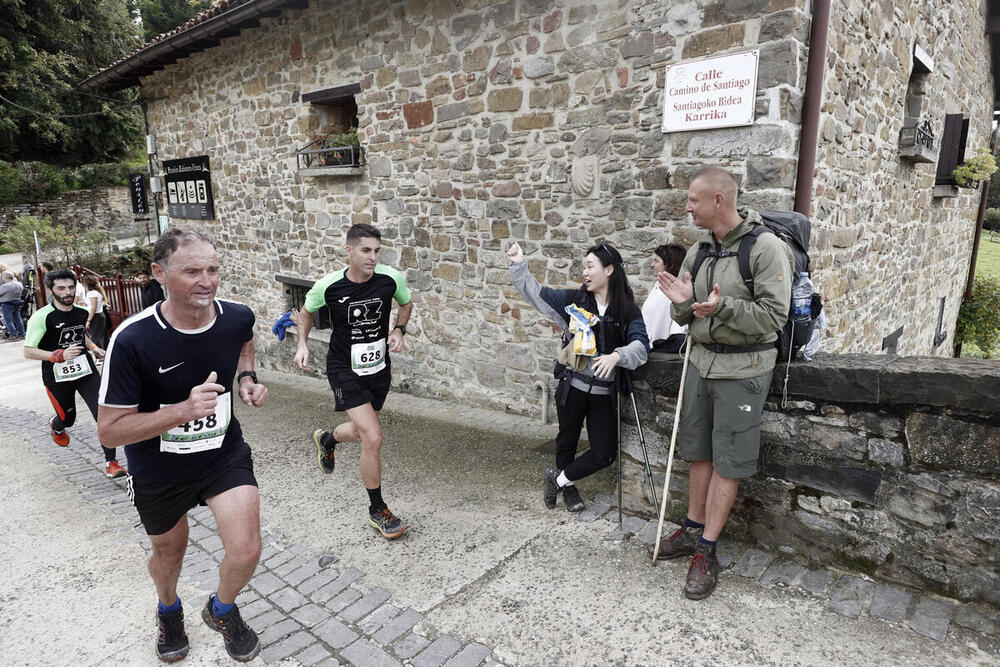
x=645, y=454
x=670, y=455
x=642, y=438
x=618, y=394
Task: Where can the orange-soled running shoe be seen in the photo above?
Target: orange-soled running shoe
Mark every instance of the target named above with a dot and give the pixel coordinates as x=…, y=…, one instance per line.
x=387, y=523
x=61, y=438
x=113, y=470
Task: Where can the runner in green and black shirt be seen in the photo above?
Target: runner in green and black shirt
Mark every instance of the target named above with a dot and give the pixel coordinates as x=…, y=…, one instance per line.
x=57, y=336
x=357, y=365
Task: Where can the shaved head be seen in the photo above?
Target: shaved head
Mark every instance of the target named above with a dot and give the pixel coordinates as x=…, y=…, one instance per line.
x=717, y=180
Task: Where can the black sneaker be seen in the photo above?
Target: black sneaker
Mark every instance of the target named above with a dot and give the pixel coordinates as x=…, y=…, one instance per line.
x=325, y=448
x=571, y=496
x=387, y=523
x=550, y=488
x=171, y=640
x=242, y=643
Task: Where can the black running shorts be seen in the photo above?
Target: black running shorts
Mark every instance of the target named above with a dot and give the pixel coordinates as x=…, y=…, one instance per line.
x=351, y=390
x=162, y=504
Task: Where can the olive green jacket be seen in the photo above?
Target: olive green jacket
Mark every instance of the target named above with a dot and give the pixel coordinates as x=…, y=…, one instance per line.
x=738, y=320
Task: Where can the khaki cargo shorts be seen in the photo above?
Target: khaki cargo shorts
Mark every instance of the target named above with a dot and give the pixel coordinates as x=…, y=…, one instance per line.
x=720, y=422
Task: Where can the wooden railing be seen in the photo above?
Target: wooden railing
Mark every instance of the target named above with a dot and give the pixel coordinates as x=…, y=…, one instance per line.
x=124, y=294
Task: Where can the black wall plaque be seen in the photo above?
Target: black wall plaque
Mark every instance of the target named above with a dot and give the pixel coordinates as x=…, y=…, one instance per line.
x=137, y=189
x=189, y=188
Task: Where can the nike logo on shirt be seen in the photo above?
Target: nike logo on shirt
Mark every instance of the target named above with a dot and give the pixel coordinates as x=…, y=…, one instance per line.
x=165, y=370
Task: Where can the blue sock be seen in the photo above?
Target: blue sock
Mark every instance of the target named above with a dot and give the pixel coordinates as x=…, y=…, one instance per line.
x=164, y=609
x=220, y=609
x=688, y=523
x=711, y=543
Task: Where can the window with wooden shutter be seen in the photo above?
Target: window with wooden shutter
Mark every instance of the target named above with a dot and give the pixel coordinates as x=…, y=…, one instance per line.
x=956, y=132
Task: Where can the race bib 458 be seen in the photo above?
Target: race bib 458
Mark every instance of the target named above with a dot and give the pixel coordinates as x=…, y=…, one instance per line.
x=202, y=434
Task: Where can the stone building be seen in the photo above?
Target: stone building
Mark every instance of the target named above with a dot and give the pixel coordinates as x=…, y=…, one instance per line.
x=481, y=122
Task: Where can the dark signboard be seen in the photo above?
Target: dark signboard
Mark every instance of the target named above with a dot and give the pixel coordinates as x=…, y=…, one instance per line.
x=189, y=188
x=137, y=189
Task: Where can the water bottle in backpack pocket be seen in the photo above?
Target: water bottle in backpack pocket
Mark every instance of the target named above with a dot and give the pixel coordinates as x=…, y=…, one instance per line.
x=805, y=308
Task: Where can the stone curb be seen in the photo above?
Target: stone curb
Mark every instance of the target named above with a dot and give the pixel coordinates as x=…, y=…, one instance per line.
x=849, y=595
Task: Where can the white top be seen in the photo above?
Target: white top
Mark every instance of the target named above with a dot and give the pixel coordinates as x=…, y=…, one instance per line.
x=656, y=315
x=81, y=294
x=100, y=300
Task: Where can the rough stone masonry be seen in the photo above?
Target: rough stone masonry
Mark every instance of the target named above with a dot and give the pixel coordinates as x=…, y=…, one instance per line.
x=539, y=121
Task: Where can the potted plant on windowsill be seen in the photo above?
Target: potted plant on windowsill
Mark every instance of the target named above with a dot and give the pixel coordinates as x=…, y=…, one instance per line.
x=975, y=169
x=344, y=150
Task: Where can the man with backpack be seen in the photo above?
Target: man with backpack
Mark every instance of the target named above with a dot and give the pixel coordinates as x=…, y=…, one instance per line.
x=733, y=325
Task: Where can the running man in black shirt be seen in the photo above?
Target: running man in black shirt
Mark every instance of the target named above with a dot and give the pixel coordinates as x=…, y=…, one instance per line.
x=167, y=393
x=56, y=336
x=360, y=301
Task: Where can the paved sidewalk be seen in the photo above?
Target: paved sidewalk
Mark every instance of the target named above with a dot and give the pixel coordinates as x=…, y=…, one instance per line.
x=487, y=574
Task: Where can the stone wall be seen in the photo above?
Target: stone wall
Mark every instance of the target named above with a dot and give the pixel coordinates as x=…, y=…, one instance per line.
x=476, y=118
x=886, y=249
x=883, y=465
x=110, y=208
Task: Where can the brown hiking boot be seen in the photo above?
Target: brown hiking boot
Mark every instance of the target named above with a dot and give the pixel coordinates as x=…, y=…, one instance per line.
x=703, y=572
x=681, y=543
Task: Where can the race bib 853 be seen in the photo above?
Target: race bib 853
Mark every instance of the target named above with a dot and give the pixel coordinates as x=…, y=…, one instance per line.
x=74, y=369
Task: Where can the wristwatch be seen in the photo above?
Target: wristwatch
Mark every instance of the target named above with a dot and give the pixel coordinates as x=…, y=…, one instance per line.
x=401, y=327
x=247, y=374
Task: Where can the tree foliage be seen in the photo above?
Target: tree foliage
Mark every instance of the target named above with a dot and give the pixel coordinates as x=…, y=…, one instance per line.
x=47, y=47
x=993, y=198
x=26, y=182
x=991, y=218
x=160, y=16
x=979, y=317
x=65, y=246
x=20, y=236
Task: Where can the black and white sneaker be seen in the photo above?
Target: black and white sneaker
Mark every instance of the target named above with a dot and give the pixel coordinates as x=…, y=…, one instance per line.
x=171, y=640
x=550, y=488
x=387, y=523
x=326, y=447
x=571, y=496
x=242, y=643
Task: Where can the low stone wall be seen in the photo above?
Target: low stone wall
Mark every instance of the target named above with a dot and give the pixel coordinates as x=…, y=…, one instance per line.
x=108, y=208
x=885, y=465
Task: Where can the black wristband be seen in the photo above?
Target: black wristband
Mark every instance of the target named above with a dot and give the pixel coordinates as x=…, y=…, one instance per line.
x=401, y=327
x=250, y=374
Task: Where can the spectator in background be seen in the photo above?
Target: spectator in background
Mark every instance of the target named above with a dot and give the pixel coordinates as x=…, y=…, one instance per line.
x=10, y=303
x=665, y=335
x=97, y=319
x=150, y=290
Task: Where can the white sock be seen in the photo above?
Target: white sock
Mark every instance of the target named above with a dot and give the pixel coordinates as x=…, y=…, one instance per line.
x=562, y=480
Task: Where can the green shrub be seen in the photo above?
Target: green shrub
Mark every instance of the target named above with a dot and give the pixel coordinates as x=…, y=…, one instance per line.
x=977, y=168
x=991, y=219
x=10, y=183
x=979, y=317
x=20, y=236
x=26, y=182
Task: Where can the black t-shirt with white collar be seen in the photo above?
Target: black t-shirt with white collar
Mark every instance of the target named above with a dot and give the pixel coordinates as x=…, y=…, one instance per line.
x=150, y=364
